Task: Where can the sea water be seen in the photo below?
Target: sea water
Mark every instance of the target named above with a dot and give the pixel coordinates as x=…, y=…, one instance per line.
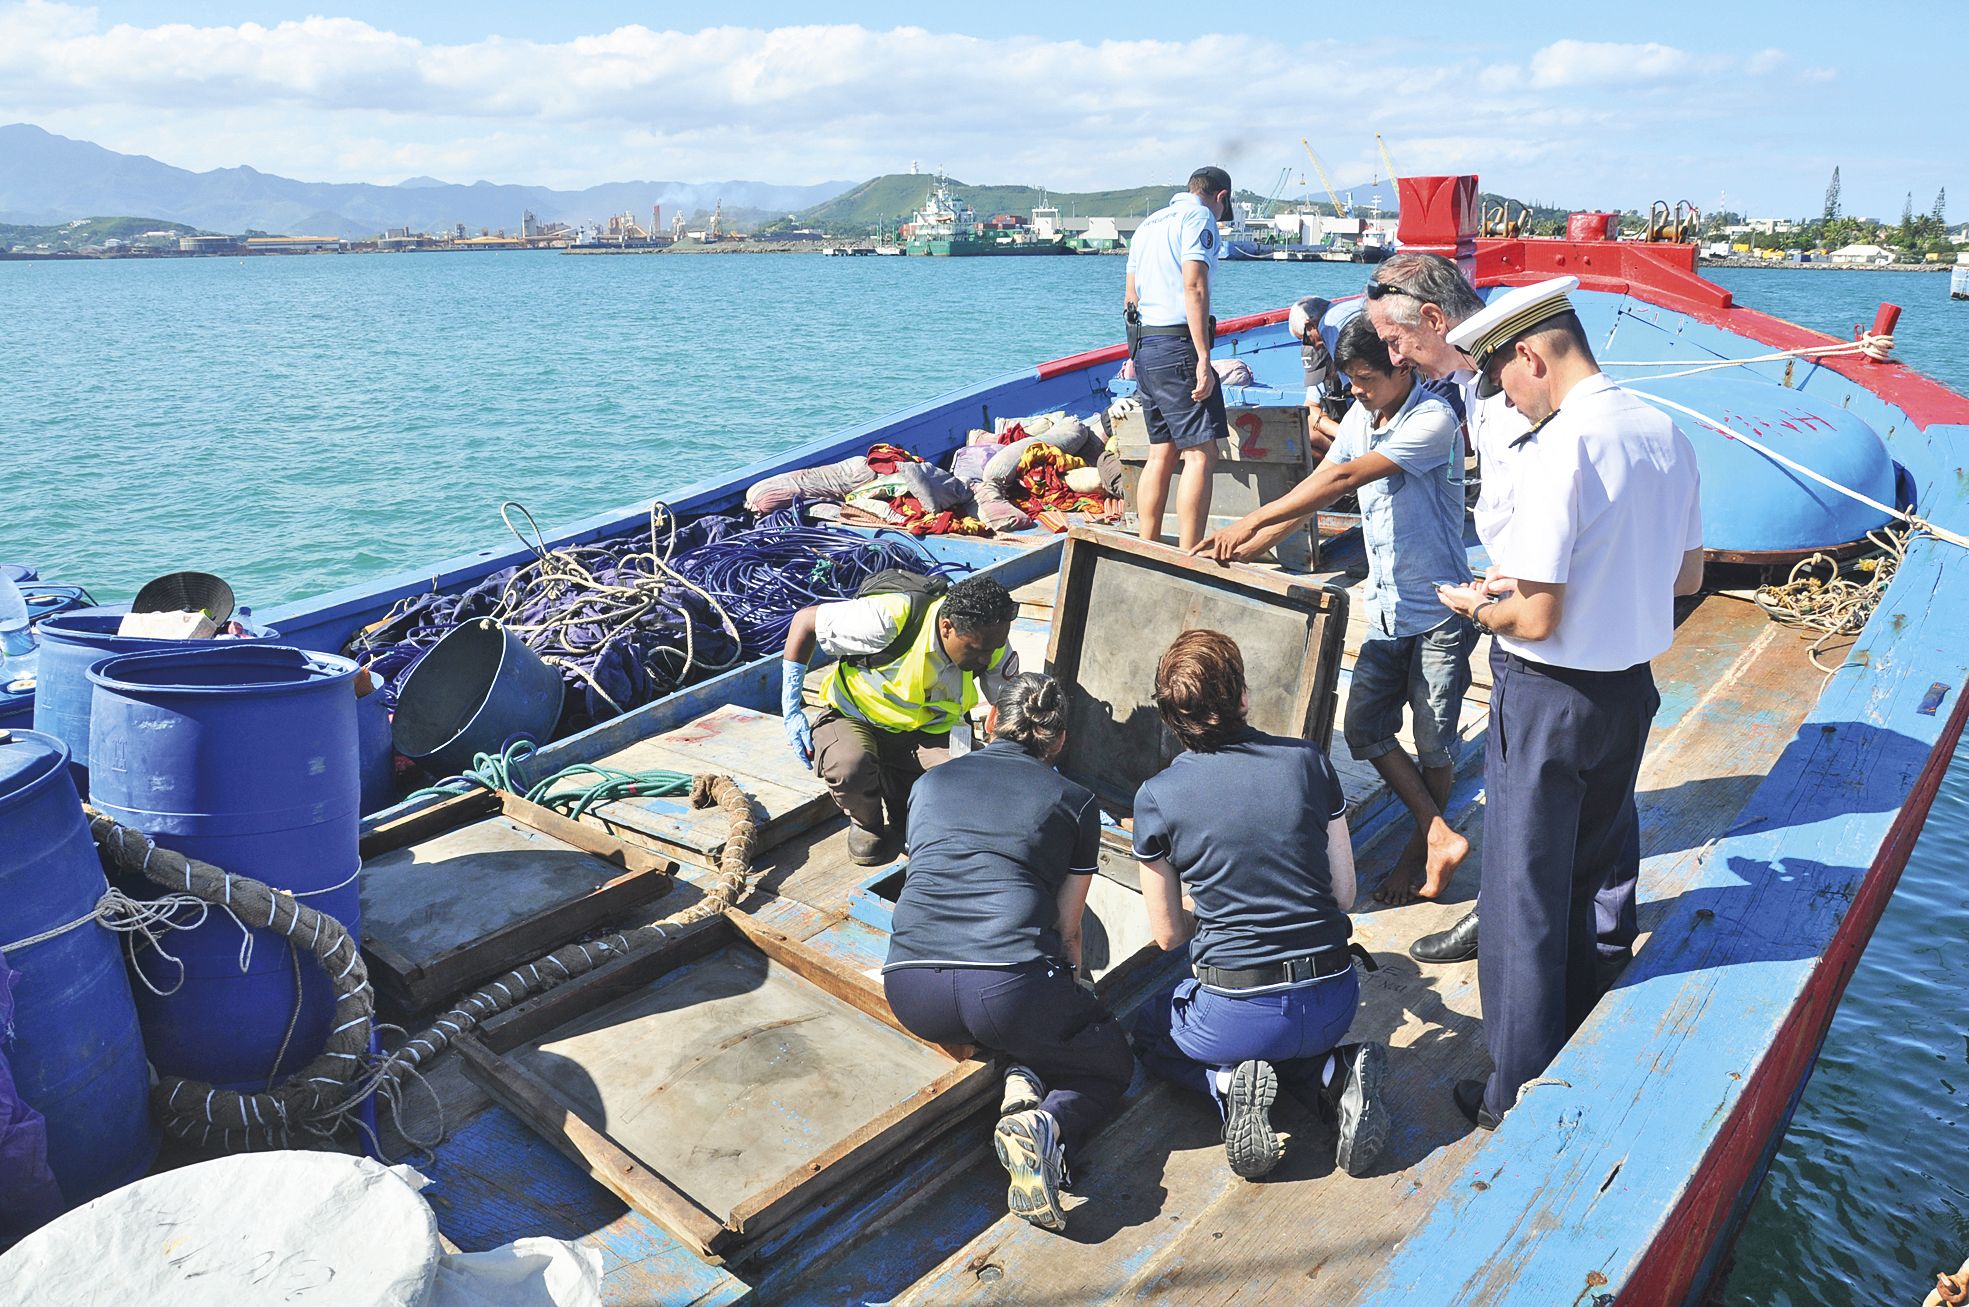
x=301, y=424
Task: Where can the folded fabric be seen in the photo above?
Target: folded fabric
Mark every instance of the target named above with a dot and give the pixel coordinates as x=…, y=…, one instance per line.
x=998, y=511
x=886, y=458
x=1072, y=438
x=968, y=463
x=1232, y=372
x=936, y=488
x=830, y=483
x=1042, y=478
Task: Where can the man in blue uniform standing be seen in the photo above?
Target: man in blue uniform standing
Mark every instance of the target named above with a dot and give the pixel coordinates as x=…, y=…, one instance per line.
x=1604, y=531
x=1170, y=330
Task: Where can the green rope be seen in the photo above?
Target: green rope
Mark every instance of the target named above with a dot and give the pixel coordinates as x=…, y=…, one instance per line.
x=571, y=791
x=609, y=785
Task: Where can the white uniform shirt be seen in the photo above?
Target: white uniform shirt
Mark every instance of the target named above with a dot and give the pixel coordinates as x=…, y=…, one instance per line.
x=1604, y=501
x=1183, y=232
x=1493, y=424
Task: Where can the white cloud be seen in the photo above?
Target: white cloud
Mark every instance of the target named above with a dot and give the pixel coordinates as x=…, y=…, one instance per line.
x=338, y=99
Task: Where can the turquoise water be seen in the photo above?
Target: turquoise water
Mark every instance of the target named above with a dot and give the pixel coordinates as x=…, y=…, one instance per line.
x=302, y=424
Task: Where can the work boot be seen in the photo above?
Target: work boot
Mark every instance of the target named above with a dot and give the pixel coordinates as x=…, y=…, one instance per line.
x=1023, y=1090
x=1469, y=1096
x=1457, y=944
x=1028, y=1147
x=866, y=848
x=1250, y=1144
x=1360, y=1111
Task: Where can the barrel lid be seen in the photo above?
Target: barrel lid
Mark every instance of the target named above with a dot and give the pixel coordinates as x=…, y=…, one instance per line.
x=25, y=758
x=219, y=667
x=19, y=572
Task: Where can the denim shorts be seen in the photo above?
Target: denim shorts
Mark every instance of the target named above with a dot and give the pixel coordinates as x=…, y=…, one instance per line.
x=1429, y=673
x=1165, y=373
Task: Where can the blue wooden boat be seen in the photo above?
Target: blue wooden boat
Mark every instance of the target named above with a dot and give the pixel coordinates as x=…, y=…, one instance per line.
x=1778, y=808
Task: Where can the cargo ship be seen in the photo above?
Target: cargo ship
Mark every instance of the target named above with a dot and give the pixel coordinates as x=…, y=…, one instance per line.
x=946, y=227
x=1778, y=802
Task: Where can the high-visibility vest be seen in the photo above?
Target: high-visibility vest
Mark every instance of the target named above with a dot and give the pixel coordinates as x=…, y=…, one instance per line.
x=895, y=695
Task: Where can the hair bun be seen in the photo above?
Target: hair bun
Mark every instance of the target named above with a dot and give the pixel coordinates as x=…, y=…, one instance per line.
x=1045, y=696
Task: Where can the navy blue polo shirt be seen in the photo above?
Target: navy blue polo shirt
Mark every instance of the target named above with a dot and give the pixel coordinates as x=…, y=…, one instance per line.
x=1245, y=828
x=992, y=837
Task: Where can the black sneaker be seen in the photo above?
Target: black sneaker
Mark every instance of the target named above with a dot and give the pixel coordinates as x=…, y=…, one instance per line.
x=1028, y=1147
x=1250, y=1144
x=1360, y=1112
x=866, y=848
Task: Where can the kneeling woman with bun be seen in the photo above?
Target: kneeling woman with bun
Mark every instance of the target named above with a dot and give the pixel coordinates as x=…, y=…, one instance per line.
x=986, y=943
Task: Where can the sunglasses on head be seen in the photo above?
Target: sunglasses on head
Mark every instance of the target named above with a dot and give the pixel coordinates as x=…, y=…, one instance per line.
x=1377, y=289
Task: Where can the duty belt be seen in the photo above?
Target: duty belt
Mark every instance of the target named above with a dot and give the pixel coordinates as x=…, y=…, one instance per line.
x=1293, y=971
x=1164, y=331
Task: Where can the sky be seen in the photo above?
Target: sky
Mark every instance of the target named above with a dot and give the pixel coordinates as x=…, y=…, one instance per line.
x=1590, y=106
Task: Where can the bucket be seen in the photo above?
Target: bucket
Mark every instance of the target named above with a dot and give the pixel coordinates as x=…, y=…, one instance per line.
x=186, y=592
x=478, y=688
x=242, y=754
x=70, y=643
x=1591, y=226
x=76, y=1054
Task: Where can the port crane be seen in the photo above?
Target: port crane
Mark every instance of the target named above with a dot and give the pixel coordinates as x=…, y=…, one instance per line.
x=1387, y=160
x=1340, y=209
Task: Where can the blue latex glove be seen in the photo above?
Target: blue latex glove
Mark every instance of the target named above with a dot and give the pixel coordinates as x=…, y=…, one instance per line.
x=793, y=708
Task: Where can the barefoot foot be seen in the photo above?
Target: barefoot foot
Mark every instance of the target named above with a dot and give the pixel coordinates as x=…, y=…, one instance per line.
x=1399, y=886
x=1447, y=849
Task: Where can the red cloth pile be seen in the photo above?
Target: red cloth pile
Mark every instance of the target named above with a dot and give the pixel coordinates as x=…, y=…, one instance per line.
x=884, y=458
x=1042, y=482
x=920, y=521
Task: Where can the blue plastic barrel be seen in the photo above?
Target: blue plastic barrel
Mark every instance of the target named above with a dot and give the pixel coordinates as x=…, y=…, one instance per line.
x=76, y=1054
x=475, y=691
x=71, y=643
x=378, y=756
x=19, y=572
x=242, y=754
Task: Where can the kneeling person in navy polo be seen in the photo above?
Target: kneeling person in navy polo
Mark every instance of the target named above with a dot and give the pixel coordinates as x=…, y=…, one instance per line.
x=1254, y=827
x=1002, y=852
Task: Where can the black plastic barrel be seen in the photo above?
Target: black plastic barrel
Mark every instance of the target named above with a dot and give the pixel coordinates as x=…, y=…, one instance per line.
x=72, y=643
x=242, y=754
x=477, y=689
x=75, y=1051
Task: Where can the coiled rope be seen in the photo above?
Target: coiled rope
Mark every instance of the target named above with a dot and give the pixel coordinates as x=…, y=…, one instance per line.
x=571, y=791
x=311, y=1106
x=1836, y=601
x=1878, y=348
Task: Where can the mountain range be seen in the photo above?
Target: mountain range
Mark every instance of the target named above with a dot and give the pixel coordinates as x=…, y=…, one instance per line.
x=45, y=178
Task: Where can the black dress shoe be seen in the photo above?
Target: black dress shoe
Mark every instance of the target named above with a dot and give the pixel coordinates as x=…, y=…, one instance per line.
x=1469, y=1096
x=1457, y=944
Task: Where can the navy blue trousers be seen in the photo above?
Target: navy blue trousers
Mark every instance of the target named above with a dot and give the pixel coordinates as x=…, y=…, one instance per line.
x=1190, y=1033
x=1562, y=852
x=1037, y=1016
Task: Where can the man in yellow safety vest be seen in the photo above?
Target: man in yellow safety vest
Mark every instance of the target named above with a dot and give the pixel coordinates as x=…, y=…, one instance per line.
x=907, y=669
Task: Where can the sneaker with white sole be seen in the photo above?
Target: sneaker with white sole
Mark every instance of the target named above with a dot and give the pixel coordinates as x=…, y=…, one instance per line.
x=1359, y=1107
x=1023, y=1090
x=1251, y=1146
x=1028, y=1146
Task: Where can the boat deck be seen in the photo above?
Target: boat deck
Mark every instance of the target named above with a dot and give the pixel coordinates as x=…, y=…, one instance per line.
x=1155, y=1214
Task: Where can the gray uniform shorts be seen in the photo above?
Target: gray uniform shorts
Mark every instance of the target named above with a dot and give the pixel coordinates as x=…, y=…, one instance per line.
x=1429, y=673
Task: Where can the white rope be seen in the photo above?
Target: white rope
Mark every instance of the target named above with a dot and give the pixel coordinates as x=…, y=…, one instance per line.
x=1871, y=346
x=1731, y=433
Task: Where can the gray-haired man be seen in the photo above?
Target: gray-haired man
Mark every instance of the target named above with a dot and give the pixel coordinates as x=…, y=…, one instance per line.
x=1414, y=301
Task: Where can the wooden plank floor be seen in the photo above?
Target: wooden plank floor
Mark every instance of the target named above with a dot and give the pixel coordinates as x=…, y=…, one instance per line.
x=1156, y=1215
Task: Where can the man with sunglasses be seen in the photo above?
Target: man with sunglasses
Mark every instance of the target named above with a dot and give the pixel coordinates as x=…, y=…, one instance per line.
x=1604, y=532
x=1166, y=298
x=1414, y=301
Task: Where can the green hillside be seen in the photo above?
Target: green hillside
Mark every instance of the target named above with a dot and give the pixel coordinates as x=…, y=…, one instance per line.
x=86, y=231
x=882, y=201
